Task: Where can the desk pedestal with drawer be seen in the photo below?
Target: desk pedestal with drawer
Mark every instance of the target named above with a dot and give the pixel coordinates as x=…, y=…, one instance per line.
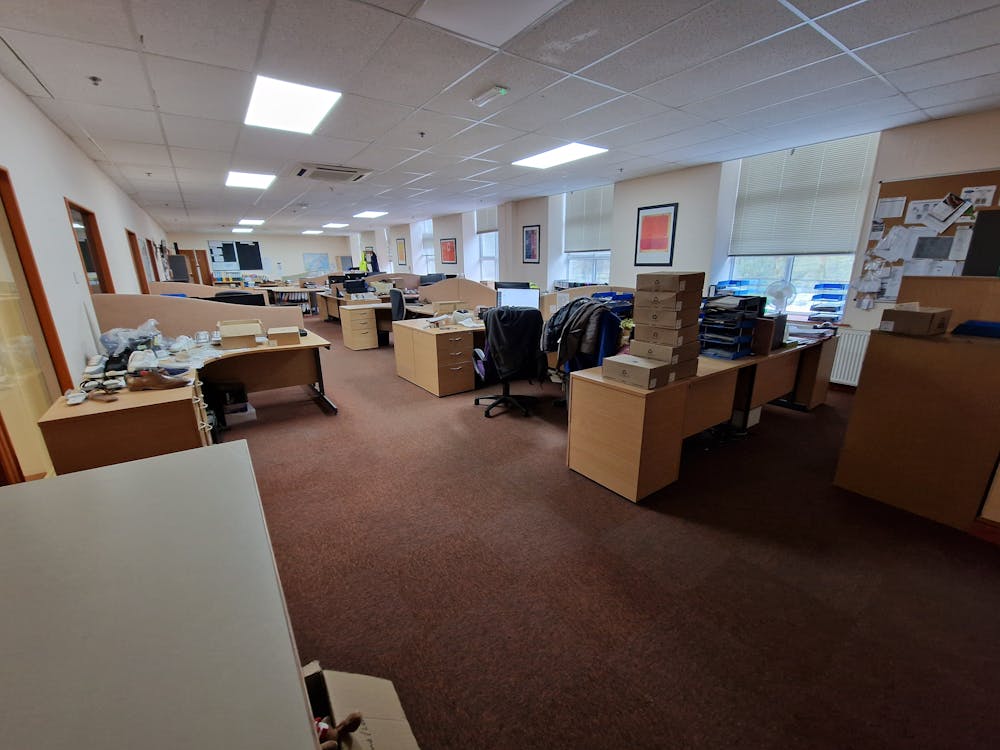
x=439, y=360
x=358, y=326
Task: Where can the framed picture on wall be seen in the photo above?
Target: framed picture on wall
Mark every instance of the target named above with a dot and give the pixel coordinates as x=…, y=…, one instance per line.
x=655, y=229
x=449, y=251
x=401, y=250
x=531, y=237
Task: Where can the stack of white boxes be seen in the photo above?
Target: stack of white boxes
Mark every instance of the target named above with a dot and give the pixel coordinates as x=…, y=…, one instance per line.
x=665, y=346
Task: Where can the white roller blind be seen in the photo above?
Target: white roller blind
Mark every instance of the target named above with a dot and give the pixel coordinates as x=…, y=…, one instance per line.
x=486, y=220
x=804, y=201
x=588, y=219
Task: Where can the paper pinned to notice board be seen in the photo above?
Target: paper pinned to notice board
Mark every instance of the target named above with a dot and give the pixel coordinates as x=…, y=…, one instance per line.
x=981, y=196
x=937, y=214
x=890, y=208
x=900, y=243
x=960, y=243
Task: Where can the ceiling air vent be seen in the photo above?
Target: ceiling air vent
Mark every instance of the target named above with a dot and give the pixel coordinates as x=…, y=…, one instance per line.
x=330, y=173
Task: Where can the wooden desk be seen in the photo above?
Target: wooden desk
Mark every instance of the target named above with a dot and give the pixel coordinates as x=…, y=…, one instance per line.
x=361, y=324
x=439, y=360
x=292, y=295
x=424, y=311
x=924, y=433
x=629, y=439
x=145, y=611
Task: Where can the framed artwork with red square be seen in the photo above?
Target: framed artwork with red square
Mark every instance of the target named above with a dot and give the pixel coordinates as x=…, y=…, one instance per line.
x=655, y=230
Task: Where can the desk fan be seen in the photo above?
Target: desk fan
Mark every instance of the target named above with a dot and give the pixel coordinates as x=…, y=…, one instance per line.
x=780, y=293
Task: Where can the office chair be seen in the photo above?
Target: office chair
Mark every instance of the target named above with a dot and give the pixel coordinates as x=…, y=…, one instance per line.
x=512, y=351
x=398, y=303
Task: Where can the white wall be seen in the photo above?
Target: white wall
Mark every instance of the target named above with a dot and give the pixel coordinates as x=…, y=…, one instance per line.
x=512, y=268
x=46, y=167
x=957, y=144
x=286, y=250
x=401, y=231
x=696, y=191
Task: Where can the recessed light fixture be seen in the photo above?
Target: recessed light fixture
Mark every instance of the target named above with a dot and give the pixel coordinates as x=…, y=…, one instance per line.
x=78, y=226
x=489, y=95
x=561, y=155
x=335, y=225
x=251, y=222
x=250, y=180
x=242, y=230
x=313, y=231
x=281, y=105
x=370, y=214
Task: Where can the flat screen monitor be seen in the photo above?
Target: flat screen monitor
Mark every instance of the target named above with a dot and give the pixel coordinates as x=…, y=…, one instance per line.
x=518, y=297
x=431, y=278
x=512, y=285
x=359, y=286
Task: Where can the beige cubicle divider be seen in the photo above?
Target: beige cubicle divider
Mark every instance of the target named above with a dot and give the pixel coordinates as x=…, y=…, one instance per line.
x=552, y=301
x=969, y=297
x=472, y=293
x=199, y=291
x=182, y=315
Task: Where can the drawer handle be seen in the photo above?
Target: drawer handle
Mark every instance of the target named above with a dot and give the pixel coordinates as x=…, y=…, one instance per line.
x=457, y=354
x=457, y=338
x=456, y=368
x=198, y=400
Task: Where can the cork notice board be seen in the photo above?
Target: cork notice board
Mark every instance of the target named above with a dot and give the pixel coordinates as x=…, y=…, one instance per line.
x=939, y=253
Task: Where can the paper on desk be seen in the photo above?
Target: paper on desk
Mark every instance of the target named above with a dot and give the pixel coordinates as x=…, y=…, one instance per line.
x=890, y=208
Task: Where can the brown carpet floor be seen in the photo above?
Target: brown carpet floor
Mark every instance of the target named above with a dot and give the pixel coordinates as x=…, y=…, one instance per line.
x=516, y=604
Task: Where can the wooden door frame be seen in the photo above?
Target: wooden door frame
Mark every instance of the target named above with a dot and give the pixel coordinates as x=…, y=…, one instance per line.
x=140, y=269
x=97, y=249
x=34, y=280
x=153, y=258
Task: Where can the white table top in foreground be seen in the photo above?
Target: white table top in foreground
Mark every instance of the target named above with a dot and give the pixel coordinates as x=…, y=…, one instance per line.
x=142, y=609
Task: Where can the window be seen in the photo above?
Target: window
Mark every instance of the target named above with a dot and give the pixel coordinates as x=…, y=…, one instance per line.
x=489, y=242
x=803, y=271
x=589, y=268
x=587, y=219
x=88, y=242
x=423, y=261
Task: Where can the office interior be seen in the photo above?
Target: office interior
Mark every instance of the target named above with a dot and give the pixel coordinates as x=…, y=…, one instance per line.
x=512, y=601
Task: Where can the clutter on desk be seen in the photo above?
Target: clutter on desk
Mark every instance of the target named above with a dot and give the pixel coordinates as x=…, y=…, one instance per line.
x=446, y=306
x=669, y=281
x=646, y=373
x=438, y=321
x=913, y=320
x=283, y=335
x=665, y=320
x=727, y=325
x=240, y=334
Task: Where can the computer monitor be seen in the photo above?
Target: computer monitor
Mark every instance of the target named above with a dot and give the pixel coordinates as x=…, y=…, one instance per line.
x=356, y=287
x=518, y=298
x=336, y=278
x=346, y=262
x=431, y=278
x=512, y=285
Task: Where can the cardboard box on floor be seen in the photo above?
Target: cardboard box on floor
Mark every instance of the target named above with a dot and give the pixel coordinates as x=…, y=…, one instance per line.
x=669, y=281
x=645, y=373
x=240, y=334
x=913, y=320
x=337, y=694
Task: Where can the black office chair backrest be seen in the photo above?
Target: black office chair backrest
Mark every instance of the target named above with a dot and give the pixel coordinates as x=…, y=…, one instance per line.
x=398, y=303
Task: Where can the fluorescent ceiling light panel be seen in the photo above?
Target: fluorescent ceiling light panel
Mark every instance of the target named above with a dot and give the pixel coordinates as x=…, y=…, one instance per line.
x=335, y=225
x=561, y=155
x=249, y=180
x=370, y=214
x=251, y=222
x=77, y=226
x=242, y=230
x=313, y=231
x=281, y=105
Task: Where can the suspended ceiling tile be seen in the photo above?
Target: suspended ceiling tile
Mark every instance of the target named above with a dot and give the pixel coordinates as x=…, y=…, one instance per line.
x=822, y=75
x=193, y=158
x=521, y=78
x=427, y=162
x=416, y=63
x=325, y=48
x=115, y=123
x=197, y=132
x=493, y=23
x=580, y=32
x=974, y=88
x=285, y=146
x=708, y=132
x=14, y=70
x=100, y=22
x=401, y=7
x=814, y=8
x=221, y=32
x=608, y=116
x=220, y=94
x=142, y=173
x=523, y=147
x=381, y=157
x=713, y=30
x=475, y=139
x=360, y=118
x=125, y=152
x=563, y=99
x=865, y=23
x=672, y=121
x=961, y=108
x=935, y=42
x=960, y=67
x=64, y=67
x=423, y=130
x=777, y=55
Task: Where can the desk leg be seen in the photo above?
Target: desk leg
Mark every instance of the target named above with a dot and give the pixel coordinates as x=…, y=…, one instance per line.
x=319, y=390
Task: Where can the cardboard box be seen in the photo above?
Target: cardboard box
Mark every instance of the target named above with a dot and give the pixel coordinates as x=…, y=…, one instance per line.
x=669, y=300
x=656, y=316
x=283, y=336
x=446, y=306
x=645, y=373
x=669, y=354
x=239, y=416
x=669, y=281
x=337, y=694
x=913, y=320
x=646, y=333
x=240, y=334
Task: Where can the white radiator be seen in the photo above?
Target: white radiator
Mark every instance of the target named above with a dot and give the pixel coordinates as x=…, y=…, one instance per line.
x=851, y=348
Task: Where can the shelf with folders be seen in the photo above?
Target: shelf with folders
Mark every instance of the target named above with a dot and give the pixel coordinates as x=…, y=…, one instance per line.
x=727, y=323
x=827, y=303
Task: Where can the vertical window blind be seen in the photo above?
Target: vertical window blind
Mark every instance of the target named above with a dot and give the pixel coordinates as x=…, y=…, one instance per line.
x=806, y=200
x=588, y=219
